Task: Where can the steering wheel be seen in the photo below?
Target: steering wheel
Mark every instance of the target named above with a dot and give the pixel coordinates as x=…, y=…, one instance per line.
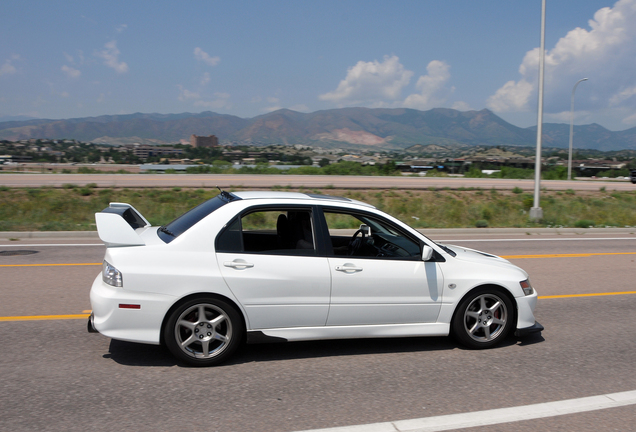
x=355, y=243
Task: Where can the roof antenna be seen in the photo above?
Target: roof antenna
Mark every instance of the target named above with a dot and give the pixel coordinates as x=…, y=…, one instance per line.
x=226, y=195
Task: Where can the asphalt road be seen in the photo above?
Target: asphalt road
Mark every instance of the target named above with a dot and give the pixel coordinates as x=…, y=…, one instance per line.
x=319, y=181
x=56, y=376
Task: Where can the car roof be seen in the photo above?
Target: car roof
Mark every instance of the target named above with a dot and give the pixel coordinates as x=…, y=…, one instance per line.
x=249, y=195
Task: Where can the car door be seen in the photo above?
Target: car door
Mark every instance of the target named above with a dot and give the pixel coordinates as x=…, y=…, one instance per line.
x=268, y=258
x=381, y=281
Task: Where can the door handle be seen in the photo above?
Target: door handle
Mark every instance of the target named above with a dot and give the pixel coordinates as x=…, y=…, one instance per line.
x=348, y=268
x=238, y=264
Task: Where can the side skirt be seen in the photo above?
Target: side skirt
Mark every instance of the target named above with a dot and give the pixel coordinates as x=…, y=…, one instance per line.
x=347, y=332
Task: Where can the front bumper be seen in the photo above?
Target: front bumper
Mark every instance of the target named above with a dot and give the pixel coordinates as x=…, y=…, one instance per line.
x=522, y=332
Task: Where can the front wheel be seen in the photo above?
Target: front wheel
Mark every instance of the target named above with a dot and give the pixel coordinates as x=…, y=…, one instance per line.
x=203, y=331
x=483, y=318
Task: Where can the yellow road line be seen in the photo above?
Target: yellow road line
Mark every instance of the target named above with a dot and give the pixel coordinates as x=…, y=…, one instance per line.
x=587, y=295
x=44, y=317
x=579, y=255
x=50, y=265
x=86, y=313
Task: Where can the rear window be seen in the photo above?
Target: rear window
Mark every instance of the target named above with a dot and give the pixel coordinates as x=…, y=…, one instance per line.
x=174, y=229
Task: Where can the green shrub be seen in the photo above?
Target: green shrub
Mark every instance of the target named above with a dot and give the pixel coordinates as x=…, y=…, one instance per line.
x=528, y=202
x=584, y=223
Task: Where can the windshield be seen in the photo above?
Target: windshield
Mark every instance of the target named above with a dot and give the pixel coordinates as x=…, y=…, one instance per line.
x=174, y=229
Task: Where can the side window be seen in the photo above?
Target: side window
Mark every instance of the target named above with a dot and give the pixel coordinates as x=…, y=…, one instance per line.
x=360, y=235
x=230, y=238
x=270, y=231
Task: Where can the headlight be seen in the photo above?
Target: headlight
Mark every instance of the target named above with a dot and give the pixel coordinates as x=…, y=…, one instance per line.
x=111, y=275
x=526, y=287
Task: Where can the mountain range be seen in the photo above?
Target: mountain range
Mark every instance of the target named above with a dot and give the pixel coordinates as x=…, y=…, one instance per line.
x=377, y=128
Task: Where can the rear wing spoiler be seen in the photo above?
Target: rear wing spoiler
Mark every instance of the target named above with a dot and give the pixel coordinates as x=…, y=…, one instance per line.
x=117, y=225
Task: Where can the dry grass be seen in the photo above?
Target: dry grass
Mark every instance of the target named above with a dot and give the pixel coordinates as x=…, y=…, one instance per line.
x=73, y=208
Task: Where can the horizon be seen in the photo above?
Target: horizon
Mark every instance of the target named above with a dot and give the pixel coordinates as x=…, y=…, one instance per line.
x=90, y=59
x=2, y=118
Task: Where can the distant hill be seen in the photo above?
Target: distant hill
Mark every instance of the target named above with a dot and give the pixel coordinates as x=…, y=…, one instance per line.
x=347, y=127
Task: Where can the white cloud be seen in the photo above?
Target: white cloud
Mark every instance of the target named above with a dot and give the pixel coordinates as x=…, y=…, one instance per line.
x=605, y=53
x=371, y=83
x=121, y=28
x=185, y=94
x=71, y=72
x=623, y=96
x=430, y=86
x=220, y=102
x=110, y=54
x=631, y=120
x=461, y=106
x=513, y=96
x=7, y=67
x=272, y=108
x=300, y=108
x=201, y=55
x=205, y=78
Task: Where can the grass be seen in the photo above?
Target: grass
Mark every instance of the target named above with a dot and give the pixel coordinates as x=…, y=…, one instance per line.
x=72, y=208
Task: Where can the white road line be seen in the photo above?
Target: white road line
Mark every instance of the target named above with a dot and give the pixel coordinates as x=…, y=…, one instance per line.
x=496, y=416
x=533, y=239
x=27, y=245
x=438, y=241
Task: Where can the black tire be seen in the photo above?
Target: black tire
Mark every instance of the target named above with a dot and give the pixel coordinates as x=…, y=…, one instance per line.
x=483, y=318
x=203, y=331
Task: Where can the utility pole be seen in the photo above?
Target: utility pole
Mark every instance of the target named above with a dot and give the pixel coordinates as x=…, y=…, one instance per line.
x=536, y=212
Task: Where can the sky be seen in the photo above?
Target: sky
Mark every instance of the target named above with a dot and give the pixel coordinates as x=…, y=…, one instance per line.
x=69, y=59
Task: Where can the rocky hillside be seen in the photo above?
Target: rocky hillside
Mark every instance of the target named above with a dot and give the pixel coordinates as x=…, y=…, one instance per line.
x=347, y=127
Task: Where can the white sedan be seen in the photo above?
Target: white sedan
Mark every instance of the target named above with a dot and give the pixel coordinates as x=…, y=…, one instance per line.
x=284, y=266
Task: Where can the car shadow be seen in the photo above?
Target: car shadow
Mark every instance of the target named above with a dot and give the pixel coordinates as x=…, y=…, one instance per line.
x=136, y=354
x=338, y=348
x=531, y=339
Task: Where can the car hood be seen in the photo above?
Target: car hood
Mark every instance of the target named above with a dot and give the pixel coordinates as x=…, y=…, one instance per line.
x=479, y=257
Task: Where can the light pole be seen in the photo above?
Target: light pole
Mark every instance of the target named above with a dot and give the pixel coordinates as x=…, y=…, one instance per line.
x=572, y=129
x=536, y=212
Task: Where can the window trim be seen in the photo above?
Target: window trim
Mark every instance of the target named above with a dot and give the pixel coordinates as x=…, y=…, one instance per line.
x=329, y=209
x=167, y=235
x=318, y=234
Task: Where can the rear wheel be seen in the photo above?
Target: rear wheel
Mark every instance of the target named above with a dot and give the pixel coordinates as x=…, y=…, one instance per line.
x=203, y=331
x=483, y=318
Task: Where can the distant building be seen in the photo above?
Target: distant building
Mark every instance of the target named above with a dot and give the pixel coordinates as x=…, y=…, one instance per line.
x=204, y=141
x=146, y=151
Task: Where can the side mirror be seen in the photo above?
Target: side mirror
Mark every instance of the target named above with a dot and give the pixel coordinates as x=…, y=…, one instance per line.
x=427, y=252
x=366, y=230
